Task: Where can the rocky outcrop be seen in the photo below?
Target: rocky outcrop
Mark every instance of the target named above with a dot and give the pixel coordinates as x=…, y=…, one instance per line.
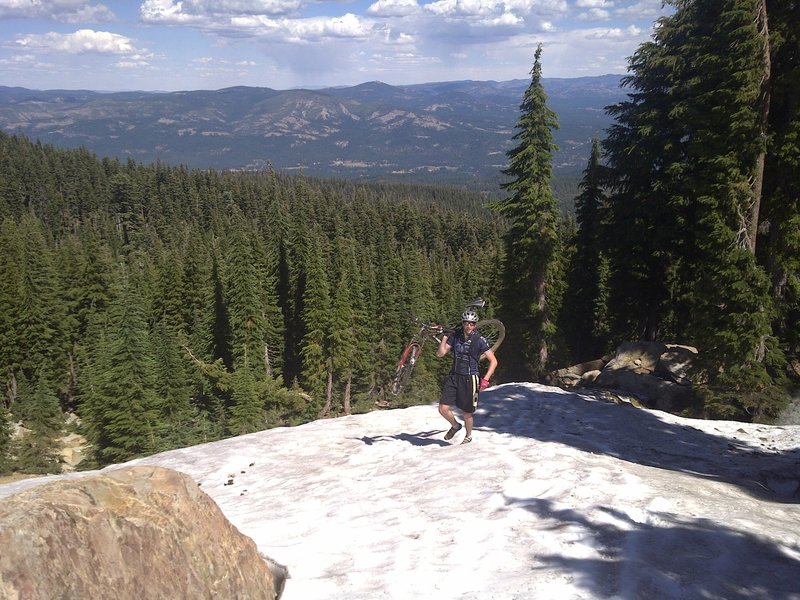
x=654, y=373
x=134, y=533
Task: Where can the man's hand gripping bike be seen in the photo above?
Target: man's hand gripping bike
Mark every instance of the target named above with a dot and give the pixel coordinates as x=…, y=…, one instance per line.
x=493, y=330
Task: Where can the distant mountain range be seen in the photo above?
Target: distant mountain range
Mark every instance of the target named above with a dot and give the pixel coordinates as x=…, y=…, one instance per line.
x=452, y=132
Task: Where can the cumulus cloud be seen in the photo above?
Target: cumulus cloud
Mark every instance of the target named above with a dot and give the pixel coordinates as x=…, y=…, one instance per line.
x=488, y=7
x=393, y=8
x=593, y=4
x=208, y=11
x=644, y=9
x=594, y=14
x=66, y=11
x=79, y=42
x=348, y=26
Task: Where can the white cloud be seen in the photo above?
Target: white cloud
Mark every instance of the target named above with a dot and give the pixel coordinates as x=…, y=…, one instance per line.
x=642, y=10
x=594, y=4
x=348, y=26
x=67, y=11
x=393, y=8
x=164, y=11
x=239, y=7
x=207, y=12
x=506, y=18
x=463, y=8
x=79, y=42
x=467, y=8
x=594, y=14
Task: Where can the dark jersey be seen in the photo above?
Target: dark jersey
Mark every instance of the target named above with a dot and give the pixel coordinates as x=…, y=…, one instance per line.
x=466, y=352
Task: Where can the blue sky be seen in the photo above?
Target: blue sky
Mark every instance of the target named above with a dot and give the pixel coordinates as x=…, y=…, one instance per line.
x=283, y=44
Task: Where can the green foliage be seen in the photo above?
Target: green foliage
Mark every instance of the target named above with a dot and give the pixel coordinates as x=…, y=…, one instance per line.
x=172, y=307
x=778, y=245
x=247, y=409
x=687, y=157
x=122, y=408
x=532, y=243
x=584, y=319
x=5, y=441
x=38, y=450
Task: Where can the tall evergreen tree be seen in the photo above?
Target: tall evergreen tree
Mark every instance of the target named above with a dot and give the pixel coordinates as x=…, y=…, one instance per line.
x=317, y=368
x=586, y=325
x=242, y=285
x=5, y=440
x=38, y=451
x=687, y=154
x=344, y=331
x=247, y=409
x=122, y=408
x=779, y=243
x=532, y=240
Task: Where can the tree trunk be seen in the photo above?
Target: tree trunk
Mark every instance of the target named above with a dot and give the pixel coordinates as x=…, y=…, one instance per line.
x=326, y=410
x=346, y=396
x=763, y=110
x=267, y=365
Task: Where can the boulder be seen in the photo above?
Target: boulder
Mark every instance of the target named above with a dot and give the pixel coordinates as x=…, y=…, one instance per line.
x=674, y=363
x=654, y=372
x=140, y=532
x=574, y=375
x=590, y=377
x=636, y=356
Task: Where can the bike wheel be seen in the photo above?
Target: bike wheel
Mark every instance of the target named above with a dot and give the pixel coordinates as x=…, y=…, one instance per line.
x=403, y=373
x=494, y=331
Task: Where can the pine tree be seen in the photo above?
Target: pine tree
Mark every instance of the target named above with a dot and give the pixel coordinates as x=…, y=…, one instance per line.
x=246, y=413
x=644, y=228
x=5, y=440
x=174, y=385
x=316, y=305
x=586, y=325
x=687, y=154
x=30, y=304
x=344, y=331
x=779, y=232
x=532, y=240
x=267, y=291
x=242, y=285
x=10, y=281
x=38, y=451
x=122, y=409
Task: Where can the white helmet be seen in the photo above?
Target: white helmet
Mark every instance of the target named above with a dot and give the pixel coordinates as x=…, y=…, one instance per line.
x=470, y=316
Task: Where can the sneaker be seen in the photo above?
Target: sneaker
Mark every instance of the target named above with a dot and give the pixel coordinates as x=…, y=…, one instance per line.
x=467, y=440
x=453, y=430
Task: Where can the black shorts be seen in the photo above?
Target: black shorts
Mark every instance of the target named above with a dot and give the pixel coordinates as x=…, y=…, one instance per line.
x=460, y=391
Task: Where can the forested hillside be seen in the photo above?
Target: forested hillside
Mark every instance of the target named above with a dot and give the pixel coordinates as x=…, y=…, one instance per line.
x=168, y=306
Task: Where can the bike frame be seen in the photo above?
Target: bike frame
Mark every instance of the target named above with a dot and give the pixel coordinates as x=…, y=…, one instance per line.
x=412, y=352
x=414, y=347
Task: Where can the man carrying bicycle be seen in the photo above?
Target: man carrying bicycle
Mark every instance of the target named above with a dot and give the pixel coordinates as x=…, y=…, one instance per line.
x=462, y=385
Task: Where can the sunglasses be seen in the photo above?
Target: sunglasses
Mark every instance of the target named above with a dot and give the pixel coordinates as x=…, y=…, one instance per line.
x=468, y=323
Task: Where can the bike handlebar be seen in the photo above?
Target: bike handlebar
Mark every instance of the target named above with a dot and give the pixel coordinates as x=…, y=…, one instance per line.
x=430, y=328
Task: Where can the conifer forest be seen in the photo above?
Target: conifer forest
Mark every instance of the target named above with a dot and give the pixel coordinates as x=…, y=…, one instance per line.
x=167, y=307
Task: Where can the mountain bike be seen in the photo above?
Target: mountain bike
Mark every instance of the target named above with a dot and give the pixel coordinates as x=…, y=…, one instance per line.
x=493, y=330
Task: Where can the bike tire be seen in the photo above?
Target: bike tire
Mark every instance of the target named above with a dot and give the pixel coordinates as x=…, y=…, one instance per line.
x=403, y=373
x=494, y=331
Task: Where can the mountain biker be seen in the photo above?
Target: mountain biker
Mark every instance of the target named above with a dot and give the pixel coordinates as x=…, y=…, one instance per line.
x=462, y=385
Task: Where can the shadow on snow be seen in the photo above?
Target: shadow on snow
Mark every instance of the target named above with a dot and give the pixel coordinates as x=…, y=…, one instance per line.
x=639, y=436
x=670, y=558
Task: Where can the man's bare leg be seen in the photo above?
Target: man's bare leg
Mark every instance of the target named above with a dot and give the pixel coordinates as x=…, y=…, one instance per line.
x=468, y=420
x=447, y=413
